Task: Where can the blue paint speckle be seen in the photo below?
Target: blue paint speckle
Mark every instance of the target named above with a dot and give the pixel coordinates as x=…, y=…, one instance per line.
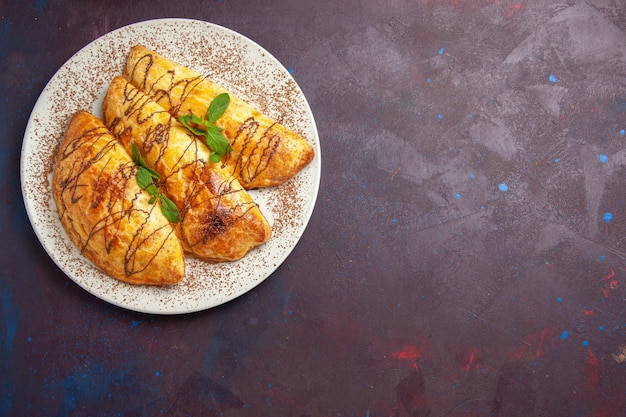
x=441, y=51
x=601, y=328
x=394, y=221
x=622, y=132
x=585, y=343
x=157, y=373
x=472, y=176
x=557, y=160
x=86, y=384
x=428, y=80
x=559, y=300
x=457, y=196
x=564, y=335
x=604, y=158
x=607, y=216
x=602, y=257
x=552, y=78
x=440, y=116
x=290, y=70
x=503, y=187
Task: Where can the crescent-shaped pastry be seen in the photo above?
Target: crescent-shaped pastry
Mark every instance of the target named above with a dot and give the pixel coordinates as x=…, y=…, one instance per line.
x=265, y=153
x=106, y=214
x=220, y=221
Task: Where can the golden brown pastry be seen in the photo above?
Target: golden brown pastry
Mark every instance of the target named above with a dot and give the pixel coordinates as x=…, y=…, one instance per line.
x=220, y=221
x=265, y=153
x=105, y=213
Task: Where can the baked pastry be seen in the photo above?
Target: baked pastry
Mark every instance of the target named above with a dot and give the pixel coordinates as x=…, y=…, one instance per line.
x=265, y=153
x=220, y=221
x=106, y=214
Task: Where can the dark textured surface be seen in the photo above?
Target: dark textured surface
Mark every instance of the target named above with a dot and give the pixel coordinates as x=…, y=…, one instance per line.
x=466, y=256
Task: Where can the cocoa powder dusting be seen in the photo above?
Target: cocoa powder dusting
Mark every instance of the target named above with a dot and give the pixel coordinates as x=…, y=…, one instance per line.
x=227, y=58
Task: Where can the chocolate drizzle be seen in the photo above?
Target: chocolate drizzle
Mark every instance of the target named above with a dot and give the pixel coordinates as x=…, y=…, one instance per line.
x=163, y=96
x=256, y=160
x=214, y=208
x=260, y=151
x=89, y=166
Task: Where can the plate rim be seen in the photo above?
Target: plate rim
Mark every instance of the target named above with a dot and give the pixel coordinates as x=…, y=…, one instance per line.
x=313, y=189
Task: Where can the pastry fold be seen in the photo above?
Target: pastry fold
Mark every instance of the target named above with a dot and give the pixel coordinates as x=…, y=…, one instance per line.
x=106, y=214
x=220, y=221
x=265, y=153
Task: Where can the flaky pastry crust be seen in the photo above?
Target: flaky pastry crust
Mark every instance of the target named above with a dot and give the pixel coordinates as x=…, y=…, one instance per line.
x=265, y=153
x=106, y=214
x=220, y=221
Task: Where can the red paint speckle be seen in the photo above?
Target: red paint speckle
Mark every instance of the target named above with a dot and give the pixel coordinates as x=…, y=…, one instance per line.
x=470, y=361
x=609, y=283
x=416, y=75
x=593, y=371
x=542, y=341
x=512, y=9
x=535, y=344
x=409, y=354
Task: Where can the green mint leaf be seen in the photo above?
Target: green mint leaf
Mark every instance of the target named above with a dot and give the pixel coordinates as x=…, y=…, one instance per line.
x=153, y=191
x=186, y=121
x=215, y=158
x=153, y=173
x=217, y=141
x=144, y=178
x=198, y=120
x=169, y=210
x=217, y=107
x=137, y=159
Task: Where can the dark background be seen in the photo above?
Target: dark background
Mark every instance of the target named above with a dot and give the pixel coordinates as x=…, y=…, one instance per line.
x=467, y=252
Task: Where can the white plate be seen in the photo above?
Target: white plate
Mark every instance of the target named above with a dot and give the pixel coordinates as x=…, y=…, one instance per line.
x=228, y=58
